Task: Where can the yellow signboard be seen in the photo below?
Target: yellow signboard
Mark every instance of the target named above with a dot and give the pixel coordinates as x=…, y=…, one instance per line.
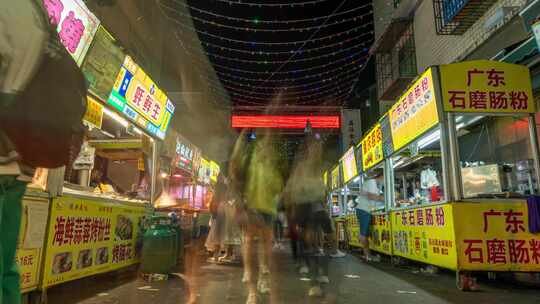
x=325, y=178
x=415, y=112
x=94, y=112
x=28, y=261
x=486, y=86
x=335, y=177
x=380, y=234
x=354, y=230
x=214, y=168
x=372, y=152
x=425, y=234
x=136, y=96
x=349, y=165
x=31, y=237
x=495, y=237
x=87, y=237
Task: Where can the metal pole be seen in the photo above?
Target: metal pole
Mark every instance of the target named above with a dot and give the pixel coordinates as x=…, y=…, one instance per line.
x=450, y=193
x=533, y=133
x=445, y=160
x=153, y=173
x=388, y=183
x=454, y=165
x=404, y=182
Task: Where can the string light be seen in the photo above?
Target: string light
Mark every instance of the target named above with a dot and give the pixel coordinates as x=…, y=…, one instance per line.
x=317, y=75
x=310, y=50
x=336, y=87
x=253, y=29
x=289, y=87
x=262, y=21
x=264, y=101
x=318, y=90
x=294, y=93
x=281, y=5
x=291, y=61
x=297, y=42
x=296, y=71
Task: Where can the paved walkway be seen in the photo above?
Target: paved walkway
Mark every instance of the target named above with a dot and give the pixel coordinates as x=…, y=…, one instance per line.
x=376, y=283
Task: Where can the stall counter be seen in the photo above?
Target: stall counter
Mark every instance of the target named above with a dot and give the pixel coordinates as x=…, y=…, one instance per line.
x=35, y=209
x=88, y=234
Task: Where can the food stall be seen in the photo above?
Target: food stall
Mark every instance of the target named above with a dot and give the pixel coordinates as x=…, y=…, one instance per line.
x=48, y=183
x=185, y=163
x=95, y=222
x=460, y=162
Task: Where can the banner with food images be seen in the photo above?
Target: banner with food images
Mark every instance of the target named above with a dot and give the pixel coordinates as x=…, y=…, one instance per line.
x=87, y=237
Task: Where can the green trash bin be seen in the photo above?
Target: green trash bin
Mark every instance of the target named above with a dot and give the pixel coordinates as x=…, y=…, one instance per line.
x=160, y=246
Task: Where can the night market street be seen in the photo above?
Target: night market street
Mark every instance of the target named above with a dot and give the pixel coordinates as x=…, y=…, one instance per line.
x=376, y=283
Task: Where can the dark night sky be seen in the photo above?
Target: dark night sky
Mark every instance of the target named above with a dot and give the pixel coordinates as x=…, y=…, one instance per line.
x=252, y=76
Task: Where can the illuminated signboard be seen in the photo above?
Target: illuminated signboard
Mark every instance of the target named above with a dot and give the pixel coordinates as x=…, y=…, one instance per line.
x=286, y=121
x=486, y=86
x=184, y=155
x=415, y=112
x=204, y=171
x=335, y=177
x=75, y=24
x=138, y=97
x=214, y=171
x=349, y=165
x=372, y=151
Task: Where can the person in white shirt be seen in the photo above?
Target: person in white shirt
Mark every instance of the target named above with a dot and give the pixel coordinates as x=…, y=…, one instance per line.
x=370, y=198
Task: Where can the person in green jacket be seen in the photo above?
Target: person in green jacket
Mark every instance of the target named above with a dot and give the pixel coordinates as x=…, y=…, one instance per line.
x=257, y=177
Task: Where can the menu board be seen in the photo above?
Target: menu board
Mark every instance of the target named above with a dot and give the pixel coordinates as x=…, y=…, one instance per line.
x=139, y=98
x=75, y=24
x=349, y=165
x=415, y=112
x=102, y=63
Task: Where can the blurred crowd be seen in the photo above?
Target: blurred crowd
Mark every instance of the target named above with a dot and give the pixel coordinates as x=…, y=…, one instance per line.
x=256, y=207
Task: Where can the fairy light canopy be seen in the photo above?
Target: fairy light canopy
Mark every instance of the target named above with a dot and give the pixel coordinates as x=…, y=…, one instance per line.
x=307, y=52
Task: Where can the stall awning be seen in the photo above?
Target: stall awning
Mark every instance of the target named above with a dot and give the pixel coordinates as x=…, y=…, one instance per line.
x=525, y=50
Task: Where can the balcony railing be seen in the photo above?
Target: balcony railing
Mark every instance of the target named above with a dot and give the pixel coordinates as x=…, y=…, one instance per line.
x=395, y=60
x=455, y=17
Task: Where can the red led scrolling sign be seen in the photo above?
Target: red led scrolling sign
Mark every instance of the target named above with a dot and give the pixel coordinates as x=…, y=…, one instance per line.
x=286, y=121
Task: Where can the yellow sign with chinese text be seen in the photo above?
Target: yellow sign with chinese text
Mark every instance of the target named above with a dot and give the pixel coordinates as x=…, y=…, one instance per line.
x=87, y=237
x=349, y=165
x=494, y=236
x=415, y=112
x=30, y=243
x=425, y=234
x=28, y=261
x=335, y=177
x=484, y=86
x=379, y=232
x=214, y=167
x=143, y=94
x=372, y=150
x=354, y=230
x=94, y=112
